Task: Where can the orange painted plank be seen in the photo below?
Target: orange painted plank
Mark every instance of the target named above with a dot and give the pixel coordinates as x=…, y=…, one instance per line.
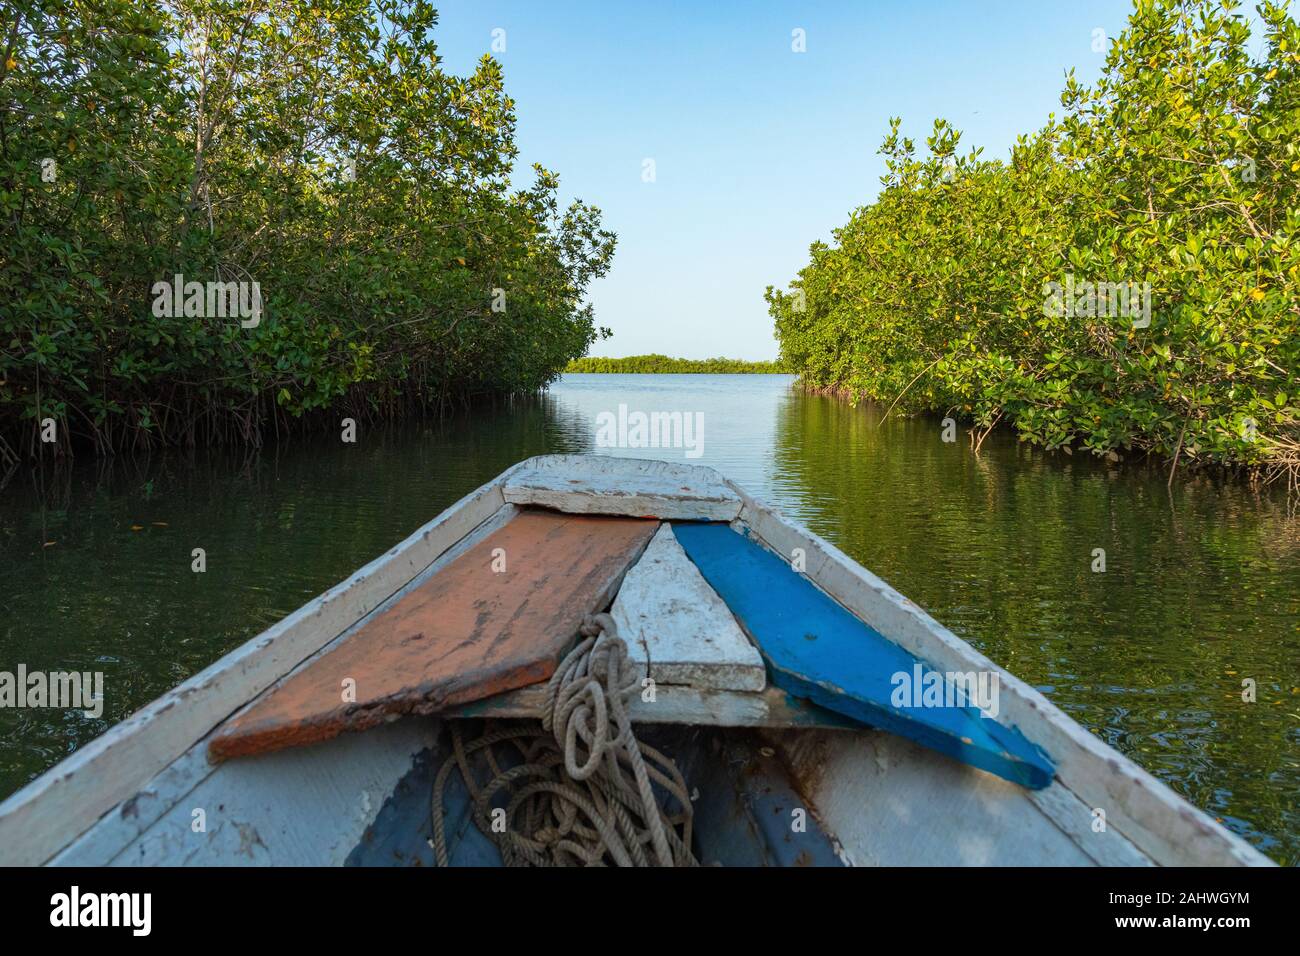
x=467, y=633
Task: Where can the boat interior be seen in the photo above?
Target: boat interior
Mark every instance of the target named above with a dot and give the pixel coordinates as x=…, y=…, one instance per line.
x=747, y=808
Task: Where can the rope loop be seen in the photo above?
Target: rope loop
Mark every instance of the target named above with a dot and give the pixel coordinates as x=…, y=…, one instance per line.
x=582, y=788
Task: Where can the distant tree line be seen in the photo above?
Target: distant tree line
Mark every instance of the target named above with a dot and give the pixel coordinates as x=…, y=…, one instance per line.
x=1126, y=283
x=662, y=363
x=220, y=219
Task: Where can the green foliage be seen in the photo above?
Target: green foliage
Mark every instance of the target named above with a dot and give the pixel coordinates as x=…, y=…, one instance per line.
x=313, y=146
x=1178, y=169
x=643, y=364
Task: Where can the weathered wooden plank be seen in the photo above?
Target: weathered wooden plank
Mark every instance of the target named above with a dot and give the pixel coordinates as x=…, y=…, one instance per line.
x=674, y=704
x=130, y=819
x=817, y=649
x=495, y=619
x=676, y=624
x=52, y=810
x=1156, y=820
x=587, y=484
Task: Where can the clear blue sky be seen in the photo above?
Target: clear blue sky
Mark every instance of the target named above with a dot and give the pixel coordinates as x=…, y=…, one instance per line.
x=759, y=151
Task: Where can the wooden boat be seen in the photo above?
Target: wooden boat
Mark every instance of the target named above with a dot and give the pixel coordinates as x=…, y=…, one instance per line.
x=777, y=662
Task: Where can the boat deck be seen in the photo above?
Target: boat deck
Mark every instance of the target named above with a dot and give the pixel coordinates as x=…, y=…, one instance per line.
x=702, y=615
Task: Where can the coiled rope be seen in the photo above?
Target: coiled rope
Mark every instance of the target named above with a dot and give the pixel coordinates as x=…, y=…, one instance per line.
x=583, y=791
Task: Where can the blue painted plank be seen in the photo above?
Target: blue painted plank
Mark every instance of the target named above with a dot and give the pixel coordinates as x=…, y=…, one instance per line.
x=815, y=648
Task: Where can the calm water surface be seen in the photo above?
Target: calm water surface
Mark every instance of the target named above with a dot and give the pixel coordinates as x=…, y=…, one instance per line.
x=1201, y=588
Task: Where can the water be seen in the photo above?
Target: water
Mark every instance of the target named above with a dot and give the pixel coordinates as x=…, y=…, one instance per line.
x=1201, y=588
